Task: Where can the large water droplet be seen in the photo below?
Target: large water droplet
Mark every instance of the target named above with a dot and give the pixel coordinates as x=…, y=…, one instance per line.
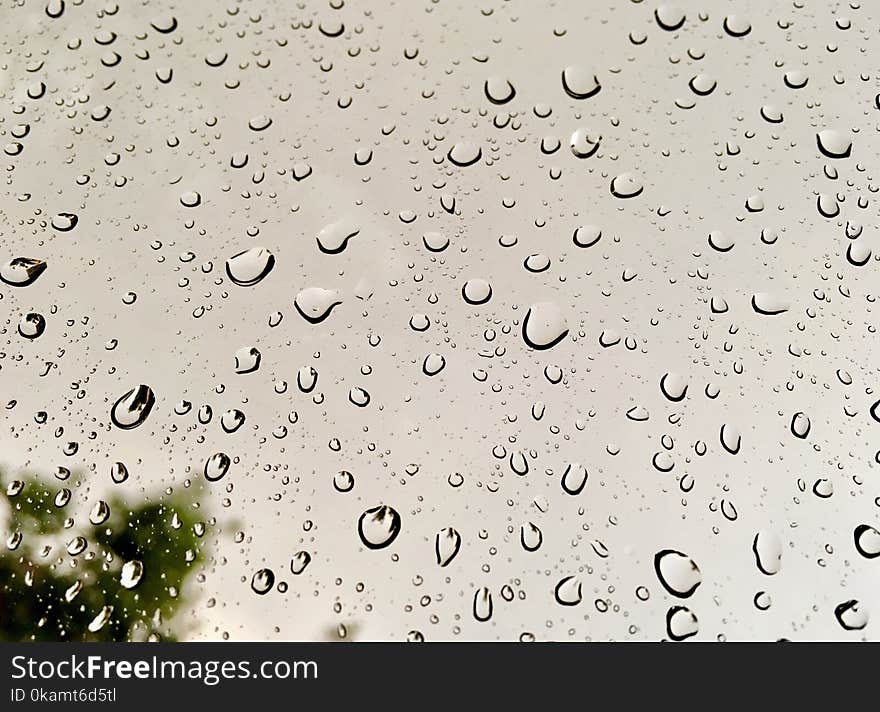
x=579, y=82
x=32, y=325
x=867, y=541
x=299, y=562
x=586, y=235
x=584, y=143
x=673, y=386
x=483, y=605
x=767, y=547
x=231, y=420
x=681, y=623
x=333, y=238
x=626, y=185
x=669, y=17
x=476, y=291
x=800, y=425
x=263, y=581
x=217, y=466
x=249, y=267
x=531, y=537
x=247, y=360
x=769, y=304
x=446, y=545
x=834, y=144
x=133, y=408
x=132, y=573
x=574, y=478
x=465, y=153
x=851, y=615
x=677, y=572
x=498, y=90
x=21, y=271
x=544, y=326
x=378, y=527
x=314, y=304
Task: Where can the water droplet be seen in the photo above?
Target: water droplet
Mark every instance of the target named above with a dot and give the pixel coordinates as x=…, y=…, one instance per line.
x=574, y=478
x=851, y=615
x=299, y=562
x=800, y=425
x=359, y=397
x=446, y=545
x=737, y=26
x=769, y=304
x=314, y=304
x=32, y=325
x=334, y=238
x=217, y=466
x=21, y=271
x=132, y=409
x=586, y=235
x=626, y=185
x=476, y=291
x=118, y=473
x=464, y=153
x=483, y=605
x=263, y=581
x=834, y=144
x=343, y=481
x=247, y=360
x=731, y=439
x=249, y=267
x=681, y=623
x=231, y=420
x=132, y=573
x=498, y=90
x=677, y=572
x=669, y=17
x=379, y=526
x=435, y=241
x=64, y=222
x=767, y=547
x=674, y=387
x=568, y=591
x=531, y=537
x=579, y=82
x=544, y=326
x=584, y=143
x=433, y=364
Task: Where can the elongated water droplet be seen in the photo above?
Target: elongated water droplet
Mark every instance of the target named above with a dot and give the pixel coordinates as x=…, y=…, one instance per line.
x=446, y=545
x=217, y=466
x=483, y=605
x=767, y=547
x=132, y=573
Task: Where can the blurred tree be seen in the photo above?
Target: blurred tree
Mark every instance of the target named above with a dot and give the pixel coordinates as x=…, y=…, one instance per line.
x=50, y=591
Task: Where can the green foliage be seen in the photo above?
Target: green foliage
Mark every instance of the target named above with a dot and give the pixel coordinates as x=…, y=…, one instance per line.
x=162, y=534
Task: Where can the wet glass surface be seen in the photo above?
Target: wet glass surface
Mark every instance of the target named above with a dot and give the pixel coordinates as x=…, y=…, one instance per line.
x=439, y=320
